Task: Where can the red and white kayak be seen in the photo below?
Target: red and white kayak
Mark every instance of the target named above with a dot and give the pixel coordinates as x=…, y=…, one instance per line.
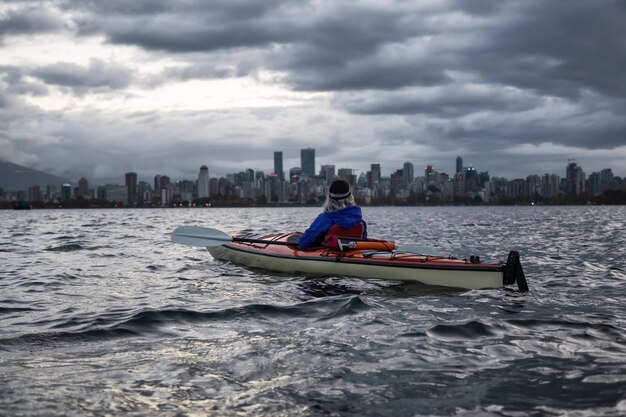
x=273, y=252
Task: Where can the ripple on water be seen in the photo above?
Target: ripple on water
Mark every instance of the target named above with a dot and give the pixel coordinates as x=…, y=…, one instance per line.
x=70, y=247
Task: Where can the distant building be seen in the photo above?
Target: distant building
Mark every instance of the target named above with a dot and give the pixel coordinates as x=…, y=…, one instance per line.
x=550, y=184
x=373, y=175
x=203, y=182
x=116, y=193
x=83, y=187
x=157, y=184
x=459, y=164
x=295, y=174
x=472, y=181
x=66, y=192
x=574, y=179
x=52, y=192
x=164, y=182
x=533, y=186
x=327, y=172
x=347, y=175
x=430, y=174
x=408, y=173
x=144, y=192
x=307, y=162
x=34, y=194
x=606, y=180
x=131, y=188
x=278, y=165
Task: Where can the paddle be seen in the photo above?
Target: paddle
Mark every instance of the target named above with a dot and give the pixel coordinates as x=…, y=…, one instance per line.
x=206, y=237
x=203, y=236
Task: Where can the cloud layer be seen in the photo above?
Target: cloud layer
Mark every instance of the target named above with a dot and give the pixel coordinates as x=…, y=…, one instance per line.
x=96, y=88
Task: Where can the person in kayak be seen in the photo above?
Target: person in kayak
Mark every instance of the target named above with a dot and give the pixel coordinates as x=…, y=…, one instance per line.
x=340, y=211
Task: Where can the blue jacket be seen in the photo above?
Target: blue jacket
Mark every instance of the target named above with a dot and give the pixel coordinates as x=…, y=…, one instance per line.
x=346, y=218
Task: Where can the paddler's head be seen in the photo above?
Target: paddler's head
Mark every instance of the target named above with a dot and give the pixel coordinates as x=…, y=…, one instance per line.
x=339, y=196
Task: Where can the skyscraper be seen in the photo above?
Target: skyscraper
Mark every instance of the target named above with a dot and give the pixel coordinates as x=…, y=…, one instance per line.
x=408, y=172
x=83, y=187
x=307, y=162
x=327, y=172
x=66, y=192
x=459, y=164
x=278, y=165
x=157, y=184
x=430, y=174
x=374, y=175
x=131, y=188
x=574, y=179
x=203, y=182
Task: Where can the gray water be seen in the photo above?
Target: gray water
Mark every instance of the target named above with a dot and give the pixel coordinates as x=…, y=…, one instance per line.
x=100, y=314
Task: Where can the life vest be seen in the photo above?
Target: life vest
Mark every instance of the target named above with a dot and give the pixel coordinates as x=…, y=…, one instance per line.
x=356, y=231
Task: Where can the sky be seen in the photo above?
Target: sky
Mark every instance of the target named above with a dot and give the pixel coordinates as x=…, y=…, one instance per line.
x=99, y=88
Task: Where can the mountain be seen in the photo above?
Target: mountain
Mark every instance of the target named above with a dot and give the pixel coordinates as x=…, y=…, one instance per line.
x=15, y=177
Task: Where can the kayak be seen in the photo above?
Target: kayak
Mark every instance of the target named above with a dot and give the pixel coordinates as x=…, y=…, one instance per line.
x=376, y=259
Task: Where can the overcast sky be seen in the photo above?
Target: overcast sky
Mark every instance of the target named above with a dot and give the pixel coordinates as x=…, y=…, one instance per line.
x=98, y=88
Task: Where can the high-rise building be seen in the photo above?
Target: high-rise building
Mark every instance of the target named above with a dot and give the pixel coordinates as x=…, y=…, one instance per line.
x=295, y=174
x=66, y=192
x=574, y=179
x=408, y=173
x=34, y=194
x=459, y=164
x=203, y=182
x=278, y=165
x=347, y=175
x=83, y=187
x=430, y=174
x=374, y=175
x=606, y=180
x=144, y=192
x=472, y=180
x=157, y=184
x=164, y=182
x=52, y=192
x=593, y=182
x=327, y=172
x=131, y=188
x=307, y=162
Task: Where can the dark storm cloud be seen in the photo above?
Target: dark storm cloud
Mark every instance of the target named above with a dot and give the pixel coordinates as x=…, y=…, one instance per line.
x=584, y=128
x=14, y=87
x=445, y=102
x=185, y=26
x=531, y=45
x=97, y=75
x=179, y=36
x=30, y=20
x=555, y=48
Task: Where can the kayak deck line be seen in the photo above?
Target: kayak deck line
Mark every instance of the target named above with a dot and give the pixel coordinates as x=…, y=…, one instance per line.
x=274, y=252
x=336, y=257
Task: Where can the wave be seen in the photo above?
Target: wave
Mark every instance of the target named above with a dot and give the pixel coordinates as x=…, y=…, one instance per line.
x=70, y=247
x=467, y=331
x=158, y=323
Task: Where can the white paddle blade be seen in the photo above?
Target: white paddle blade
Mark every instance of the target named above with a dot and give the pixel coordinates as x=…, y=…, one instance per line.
x=199, y=236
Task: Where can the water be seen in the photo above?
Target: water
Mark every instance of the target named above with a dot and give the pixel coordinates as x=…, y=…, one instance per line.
x=101, y=315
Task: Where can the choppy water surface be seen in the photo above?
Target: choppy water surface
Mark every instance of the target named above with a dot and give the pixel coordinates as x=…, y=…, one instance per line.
x=101, y=315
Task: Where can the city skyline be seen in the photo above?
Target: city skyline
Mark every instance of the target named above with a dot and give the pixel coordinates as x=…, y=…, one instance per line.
x=406, y=185
x=458, y=162
x=97, y=88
